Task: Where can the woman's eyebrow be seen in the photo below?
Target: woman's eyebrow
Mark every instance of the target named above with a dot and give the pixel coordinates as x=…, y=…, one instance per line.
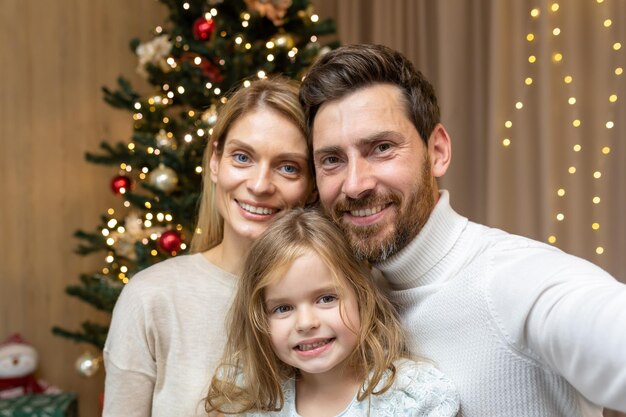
x=237, y=143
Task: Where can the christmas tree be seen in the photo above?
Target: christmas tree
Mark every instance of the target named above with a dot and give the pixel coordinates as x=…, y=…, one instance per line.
x=206, y=49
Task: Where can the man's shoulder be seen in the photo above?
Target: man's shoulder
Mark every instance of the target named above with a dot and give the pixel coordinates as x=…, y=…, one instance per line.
x=509, y=256
x=499, y=241
x=520, y=265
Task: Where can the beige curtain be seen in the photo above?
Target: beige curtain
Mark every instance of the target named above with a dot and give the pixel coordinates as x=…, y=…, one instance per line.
x=477, y=54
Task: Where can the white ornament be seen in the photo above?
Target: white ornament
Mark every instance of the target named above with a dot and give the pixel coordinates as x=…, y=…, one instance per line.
x=163, y=178
x=163, y=141
x=210, y=116
x=154, y=52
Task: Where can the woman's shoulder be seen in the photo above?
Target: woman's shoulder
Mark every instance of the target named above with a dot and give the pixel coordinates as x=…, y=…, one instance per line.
x=419, y=389
x=166, y=272
x=163, y=277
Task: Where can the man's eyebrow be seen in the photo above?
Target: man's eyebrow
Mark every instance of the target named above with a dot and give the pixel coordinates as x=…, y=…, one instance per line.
x=326, y=150
x=367, y=140
x=378, y=136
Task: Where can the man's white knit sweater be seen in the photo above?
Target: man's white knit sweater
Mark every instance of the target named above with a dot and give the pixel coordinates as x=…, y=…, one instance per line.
x=520, y=327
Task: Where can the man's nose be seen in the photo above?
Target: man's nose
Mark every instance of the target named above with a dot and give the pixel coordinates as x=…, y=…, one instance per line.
x=359, y=179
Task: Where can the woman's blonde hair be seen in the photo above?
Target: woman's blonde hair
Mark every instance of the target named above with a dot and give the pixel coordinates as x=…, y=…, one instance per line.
x=277, y=93
x=250, y=375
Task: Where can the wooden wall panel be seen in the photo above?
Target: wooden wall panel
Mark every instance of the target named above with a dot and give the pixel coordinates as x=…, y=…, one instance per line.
x=55, y=57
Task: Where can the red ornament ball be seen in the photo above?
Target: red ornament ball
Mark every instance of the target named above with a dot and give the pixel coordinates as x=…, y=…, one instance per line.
x=170, y=241
x=203, y=28
x=120, y=184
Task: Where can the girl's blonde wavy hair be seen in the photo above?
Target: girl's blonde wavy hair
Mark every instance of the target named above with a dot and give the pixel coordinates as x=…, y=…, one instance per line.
x=277, y=93
x=250, y=375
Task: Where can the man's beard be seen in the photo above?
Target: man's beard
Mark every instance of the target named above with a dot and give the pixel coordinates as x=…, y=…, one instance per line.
x=410, y=219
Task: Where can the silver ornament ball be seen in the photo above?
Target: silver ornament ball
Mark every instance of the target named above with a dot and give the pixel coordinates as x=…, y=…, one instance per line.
x=163, y=178
x=88, y=364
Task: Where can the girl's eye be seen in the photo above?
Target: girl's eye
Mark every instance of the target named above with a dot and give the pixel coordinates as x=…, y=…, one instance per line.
x=281, y=309
x=290, y=169
x=325, y=299
x=240, y=157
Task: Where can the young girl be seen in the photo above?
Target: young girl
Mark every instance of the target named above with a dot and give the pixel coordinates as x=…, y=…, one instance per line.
x=311, y=335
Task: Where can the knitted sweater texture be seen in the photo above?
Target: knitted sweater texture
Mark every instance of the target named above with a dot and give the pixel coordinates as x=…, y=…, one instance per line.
x=167, y=334
x=521, y=328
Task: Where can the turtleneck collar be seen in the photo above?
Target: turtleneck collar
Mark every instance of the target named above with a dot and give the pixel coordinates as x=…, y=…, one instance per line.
x=420, y=262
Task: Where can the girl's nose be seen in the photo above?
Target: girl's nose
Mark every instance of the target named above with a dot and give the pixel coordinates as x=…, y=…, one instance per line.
x=306, y=319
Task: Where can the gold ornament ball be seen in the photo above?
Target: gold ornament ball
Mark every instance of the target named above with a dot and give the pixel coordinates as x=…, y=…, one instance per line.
x=88, y=364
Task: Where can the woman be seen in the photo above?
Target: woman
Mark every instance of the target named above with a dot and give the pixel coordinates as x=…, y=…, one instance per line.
x=168, y=331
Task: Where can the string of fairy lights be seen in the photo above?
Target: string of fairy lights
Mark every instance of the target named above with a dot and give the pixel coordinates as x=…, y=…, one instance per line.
x=152, y=226
x=573, y=109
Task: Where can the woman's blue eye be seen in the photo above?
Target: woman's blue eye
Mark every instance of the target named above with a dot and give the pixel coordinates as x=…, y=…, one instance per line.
x=290, y=169
x=239, y=157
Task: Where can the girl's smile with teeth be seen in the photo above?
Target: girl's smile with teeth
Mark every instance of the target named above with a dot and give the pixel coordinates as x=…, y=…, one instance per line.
x=313, y=345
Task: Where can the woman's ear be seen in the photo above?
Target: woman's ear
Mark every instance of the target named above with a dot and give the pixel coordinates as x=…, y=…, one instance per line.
x=439, y=150
x=214, y=163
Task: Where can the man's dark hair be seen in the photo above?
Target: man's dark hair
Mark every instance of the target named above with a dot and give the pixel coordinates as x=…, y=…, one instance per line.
x=348, y=68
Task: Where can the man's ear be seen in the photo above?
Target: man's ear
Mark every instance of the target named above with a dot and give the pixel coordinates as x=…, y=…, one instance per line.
x=439, y=150
x=214, y=163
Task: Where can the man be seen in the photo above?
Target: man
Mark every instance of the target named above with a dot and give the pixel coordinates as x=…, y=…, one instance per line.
x=521, y=328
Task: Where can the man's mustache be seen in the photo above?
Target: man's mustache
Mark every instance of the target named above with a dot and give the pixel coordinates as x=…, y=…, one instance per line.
x=371, y=200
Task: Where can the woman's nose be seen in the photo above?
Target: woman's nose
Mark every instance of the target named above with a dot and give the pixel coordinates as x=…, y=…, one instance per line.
x=261, y=181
